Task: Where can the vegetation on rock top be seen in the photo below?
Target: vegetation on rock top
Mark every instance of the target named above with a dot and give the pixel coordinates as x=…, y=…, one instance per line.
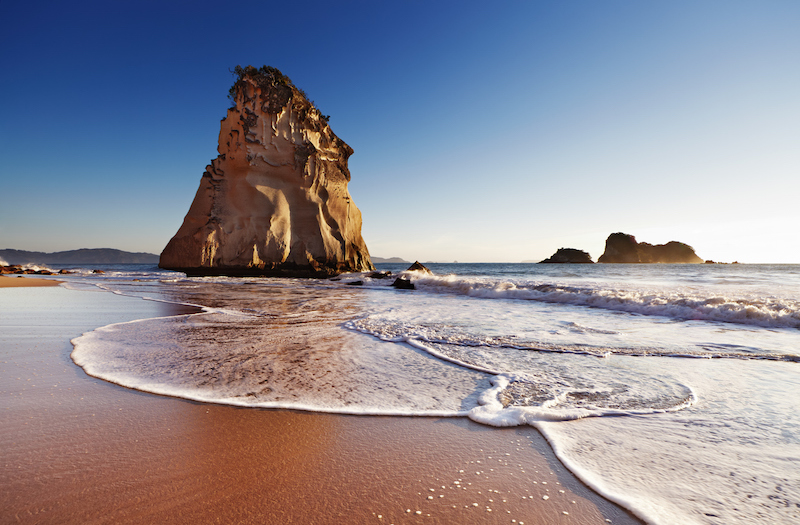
x=272, y=81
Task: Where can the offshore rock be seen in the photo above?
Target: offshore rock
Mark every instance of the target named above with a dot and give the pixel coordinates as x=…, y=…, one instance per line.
x=620, y=248
x=275, y=200
x=568, y=255
x=419, y=267
x=404, y=282
x=623, y=248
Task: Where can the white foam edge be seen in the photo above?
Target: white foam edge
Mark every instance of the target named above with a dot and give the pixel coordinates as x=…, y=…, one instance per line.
x=83, y=343
x=491, y=412
x=415, y=343
x=594, y=481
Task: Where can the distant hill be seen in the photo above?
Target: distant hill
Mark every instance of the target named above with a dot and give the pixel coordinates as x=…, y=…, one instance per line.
x=379, y=260
x=82, y=256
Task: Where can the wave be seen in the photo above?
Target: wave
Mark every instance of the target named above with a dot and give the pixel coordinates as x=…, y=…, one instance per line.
x=684, y=304
x=256, y=346
x=534, y=386
x=496, y=409
x=431, y=335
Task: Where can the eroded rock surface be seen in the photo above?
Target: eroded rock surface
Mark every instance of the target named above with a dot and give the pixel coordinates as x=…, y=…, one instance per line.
x=275, y=200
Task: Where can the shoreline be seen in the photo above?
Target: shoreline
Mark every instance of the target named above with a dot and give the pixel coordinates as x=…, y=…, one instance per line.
x=81, y=450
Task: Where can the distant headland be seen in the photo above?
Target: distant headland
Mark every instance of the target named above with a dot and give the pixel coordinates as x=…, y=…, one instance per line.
x=387, y=260
x=81, y=256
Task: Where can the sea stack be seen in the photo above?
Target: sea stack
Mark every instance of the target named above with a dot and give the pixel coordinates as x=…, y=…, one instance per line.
x=568, y=256
x=623, y=248
x=275, y=201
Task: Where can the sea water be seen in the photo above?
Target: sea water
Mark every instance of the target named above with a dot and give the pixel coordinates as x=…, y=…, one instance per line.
x=672, y=390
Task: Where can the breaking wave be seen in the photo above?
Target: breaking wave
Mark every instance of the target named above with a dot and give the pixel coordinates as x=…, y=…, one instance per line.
x=683, y=304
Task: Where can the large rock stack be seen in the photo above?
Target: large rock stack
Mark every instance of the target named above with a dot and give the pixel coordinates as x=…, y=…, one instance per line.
x=623, y=248
x=275, y=200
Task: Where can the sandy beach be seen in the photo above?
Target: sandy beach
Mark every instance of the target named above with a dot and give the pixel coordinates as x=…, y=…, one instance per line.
x=27, y=282
x=80, y=450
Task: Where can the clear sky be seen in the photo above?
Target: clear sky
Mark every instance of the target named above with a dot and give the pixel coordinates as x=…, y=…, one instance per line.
x=482, y=131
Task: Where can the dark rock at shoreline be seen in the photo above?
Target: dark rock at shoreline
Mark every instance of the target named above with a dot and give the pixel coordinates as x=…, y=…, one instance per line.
x=20, y=270
x=405, y=283
x=402, y=283
x=568, y=255
x=10, y=269
x=623, y=248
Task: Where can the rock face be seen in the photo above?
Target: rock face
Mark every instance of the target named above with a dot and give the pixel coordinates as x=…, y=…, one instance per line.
x=569, y=255
x=275, y=200
x=623, y=248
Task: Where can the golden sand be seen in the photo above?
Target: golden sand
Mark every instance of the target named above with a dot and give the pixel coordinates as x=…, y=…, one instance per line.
x=18, y=281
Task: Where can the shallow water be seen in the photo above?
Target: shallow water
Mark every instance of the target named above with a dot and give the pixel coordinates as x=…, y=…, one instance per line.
x=671, y=389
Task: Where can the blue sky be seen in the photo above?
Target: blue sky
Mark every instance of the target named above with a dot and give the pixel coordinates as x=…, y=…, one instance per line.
x=481, y=133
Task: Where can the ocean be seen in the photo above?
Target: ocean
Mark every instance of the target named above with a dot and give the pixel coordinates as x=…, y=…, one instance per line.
x=672, y=390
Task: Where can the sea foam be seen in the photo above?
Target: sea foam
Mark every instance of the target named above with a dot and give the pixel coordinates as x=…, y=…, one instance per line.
x=674, y=440
x=685, y=304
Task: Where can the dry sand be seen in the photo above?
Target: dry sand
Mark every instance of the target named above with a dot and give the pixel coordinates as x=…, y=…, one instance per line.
x=19, y=281
x=76, y=449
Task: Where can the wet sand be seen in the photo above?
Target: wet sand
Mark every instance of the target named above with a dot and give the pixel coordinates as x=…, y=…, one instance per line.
x=79, y=450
